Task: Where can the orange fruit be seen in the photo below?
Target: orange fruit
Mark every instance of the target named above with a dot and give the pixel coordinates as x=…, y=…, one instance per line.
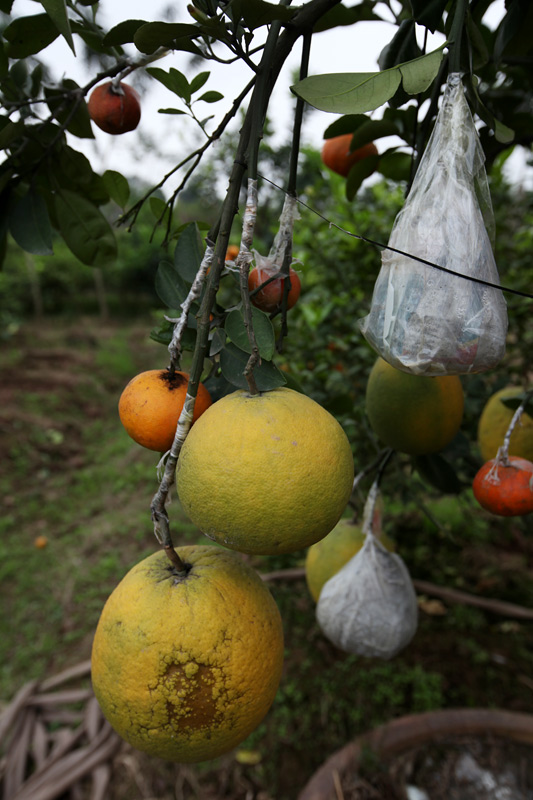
x=325, y=558
x=185, y=667
x=336, y=153
x=268, y=473
x=232, y=252
x=414, y=414
x=270, y=297
x=115, y=109
x=493, y=424
x=40, y=542
x=505, y=489
x=150, y=406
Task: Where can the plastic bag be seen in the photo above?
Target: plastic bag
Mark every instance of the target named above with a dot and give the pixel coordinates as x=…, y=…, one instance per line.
x=369, y=606
x=423, y=320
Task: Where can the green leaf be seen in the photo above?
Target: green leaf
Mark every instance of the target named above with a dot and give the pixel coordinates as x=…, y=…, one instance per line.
x=513, y=36
x=29, y=35
x=79, y=123
x=85, y=230
x=480, y=51
x=4, y=61
x=57, y=11
x=348, y=92
x=417, y=75
x=395, y=166
x=428, y=12
x=371, y=130
x=357, y=92
x=170, y=111
x=233, y=361
x=170, y=287
x=514, y=402
x=363, y=169
x=340, y=15
x=123, y=33
x=264, y=332
x=9, y=131
x=211, y=97
x=402, y=47
x=29, y=224
x=188, y=253
x=502, y=133
x=159, y=209
x=217, y=342
x=198, y=81
x=152, y=35
x=73, y=171
x=438, y=472
x=349, y=123
x=117, y=186
x=255, y=13
x=173, y=80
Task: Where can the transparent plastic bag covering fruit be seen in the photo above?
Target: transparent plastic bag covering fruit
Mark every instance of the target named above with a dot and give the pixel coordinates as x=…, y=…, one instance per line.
x=369, y=607
x=423, y=320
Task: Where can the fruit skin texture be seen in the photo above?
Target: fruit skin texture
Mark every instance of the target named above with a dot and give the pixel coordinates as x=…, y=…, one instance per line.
x=269, y=473
x=186, y=669
x=337, y=156
x=114, y=111
x=505, y=490
x=150, y=406
x=270, y=298
x=325, y=558
x=493, y=424
x=414, y=414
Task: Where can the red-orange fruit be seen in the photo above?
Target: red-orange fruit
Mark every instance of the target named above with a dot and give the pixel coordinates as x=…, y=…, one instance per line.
x=505, y=490
x=115, y=109
x=150, y=406
x=337, y=156
x=270, y=297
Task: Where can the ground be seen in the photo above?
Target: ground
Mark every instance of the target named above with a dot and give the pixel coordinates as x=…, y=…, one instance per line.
x=71, y=474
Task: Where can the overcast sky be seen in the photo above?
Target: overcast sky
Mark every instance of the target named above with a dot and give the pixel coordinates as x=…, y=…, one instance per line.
x=169, y=138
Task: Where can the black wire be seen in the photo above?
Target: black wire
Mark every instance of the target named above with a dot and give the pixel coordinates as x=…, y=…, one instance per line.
x=471, y=278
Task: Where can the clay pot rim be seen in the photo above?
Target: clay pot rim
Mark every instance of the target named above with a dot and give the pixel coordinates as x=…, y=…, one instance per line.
x=414, y=730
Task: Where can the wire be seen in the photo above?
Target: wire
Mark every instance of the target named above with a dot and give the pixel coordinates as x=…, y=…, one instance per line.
x=471, y=278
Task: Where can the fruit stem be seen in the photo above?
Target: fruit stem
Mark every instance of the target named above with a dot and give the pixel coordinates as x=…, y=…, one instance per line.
x=373, y=494
x=370, y=507
x=175, y=560
x=502, y=456
x=456, y=34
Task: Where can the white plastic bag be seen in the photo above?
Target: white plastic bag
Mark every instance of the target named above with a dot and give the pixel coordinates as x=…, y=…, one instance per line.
x=423, y=320
x=369, y=606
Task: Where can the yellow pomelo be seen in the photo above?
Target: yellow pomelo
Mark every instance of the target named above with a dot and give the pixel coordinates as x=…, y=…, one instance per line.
x=185, y=668
x=414, y=414
x=493, y=424
x=325, y=558
x=268, y=473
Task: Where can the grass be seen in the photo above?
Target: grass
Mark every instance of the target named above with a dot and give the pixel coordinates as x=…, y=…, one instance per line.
x=73, y=475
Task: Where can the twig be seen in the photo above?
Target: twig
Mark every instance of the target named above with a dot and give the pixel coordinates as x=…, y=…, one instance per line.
x=243, y=262
x=451, y=595
x=195, y=292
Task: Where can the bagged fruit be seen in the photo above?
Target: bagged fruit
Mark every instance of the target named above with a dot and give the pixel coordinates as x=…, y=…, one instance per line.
x=421, y=319
x=369, y=606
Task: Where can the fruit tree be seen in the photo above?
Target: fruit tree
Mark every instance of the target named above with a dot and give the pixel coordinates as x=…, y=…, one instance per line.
x=189, y=649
